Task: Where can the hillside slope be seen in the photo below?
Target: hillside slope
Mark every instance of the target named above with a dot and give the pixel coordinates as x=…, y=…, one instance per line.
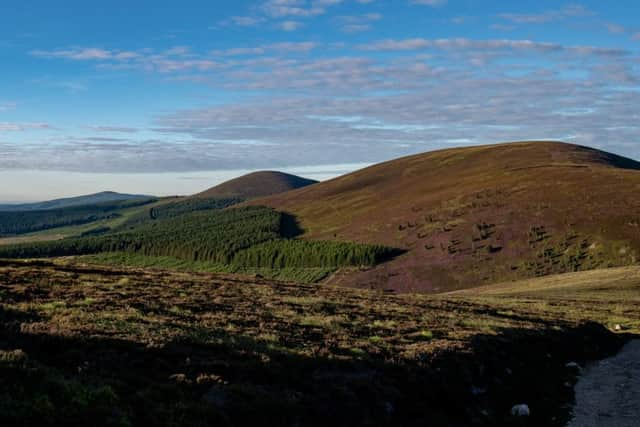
x=90, y=199
x=257, y=184
x=478, y=215
x=112, y=346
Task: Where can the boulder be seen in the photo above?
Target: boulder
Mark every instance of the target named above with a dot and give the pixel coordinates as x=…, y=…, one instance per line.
x=521, y=410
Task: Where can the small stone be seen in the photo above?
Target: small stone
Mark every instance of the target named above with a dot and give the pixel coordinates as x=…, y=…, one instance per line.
x=617, y=327
x=521, y=410
x=573, y=366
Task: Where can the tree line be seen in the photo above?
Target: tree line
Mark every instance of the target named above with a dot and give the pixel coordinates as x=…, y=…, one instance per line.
x=245, y=237
x=175, y=209
x=307, y=253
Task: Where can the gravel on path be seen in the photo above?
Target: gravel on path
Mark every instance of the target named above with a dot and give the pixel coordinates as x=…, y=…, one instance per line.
x=608, y=392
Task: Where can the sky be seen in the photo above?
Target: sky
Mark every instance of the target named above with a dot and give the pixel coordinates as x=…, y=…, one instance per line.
x=164, y=97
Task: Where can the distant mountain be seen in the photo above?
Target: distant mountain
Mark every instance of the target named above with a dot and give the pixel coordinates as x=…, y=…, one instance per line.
x=91, y=199
x=257, y=184
x=478, y=215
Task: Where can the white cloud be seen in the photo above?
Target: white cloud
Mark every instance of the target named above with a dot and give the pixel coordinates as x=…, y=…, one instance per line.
x=118, y=129
x=14, y=127
x=358, y=23
x=294, y=8
x=246, y=21
x=290, y=25
x=471, y=44
x=176, y=59
x=80, y=54
x=547, y=16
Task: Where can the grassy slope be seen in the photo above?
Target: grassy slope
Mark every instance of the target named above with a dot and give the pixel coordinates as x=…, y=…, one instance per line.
x=608, y=296
x=473, y=216
x=129, y=346
x=257, y=184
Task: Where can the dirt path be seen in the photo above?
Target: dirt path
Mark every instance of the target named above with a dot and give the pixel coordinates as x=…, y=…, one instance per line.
x=608, y=393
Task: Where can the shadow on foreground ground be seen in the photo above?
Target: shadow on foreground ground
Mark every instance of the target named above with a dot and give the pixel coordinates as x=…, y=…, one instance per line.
x=56, y=380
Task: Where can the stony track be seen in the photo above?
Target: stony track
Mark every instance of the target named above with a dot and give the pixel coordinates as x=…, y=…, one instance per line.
x=608, y=393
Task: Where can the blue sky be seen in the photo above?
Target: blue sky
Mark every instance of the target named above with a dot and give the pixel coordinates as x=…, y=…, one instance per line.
x=137, y=95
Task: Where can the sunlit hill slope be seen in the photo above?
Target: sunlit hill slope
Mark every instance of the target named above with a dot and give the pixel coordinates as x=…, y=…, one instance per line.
x=471, y=216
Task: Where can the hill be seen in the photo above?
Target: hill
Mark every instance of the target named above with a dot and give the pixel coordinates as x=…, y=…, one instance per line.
x=479, y=215
x=90, y=199
x=256, y=184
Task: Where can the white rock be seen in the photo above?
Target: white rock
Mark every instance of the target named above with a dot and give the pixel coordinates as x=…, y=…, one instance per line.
x=521, y=410
x=573, y=365
x=617, y=327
